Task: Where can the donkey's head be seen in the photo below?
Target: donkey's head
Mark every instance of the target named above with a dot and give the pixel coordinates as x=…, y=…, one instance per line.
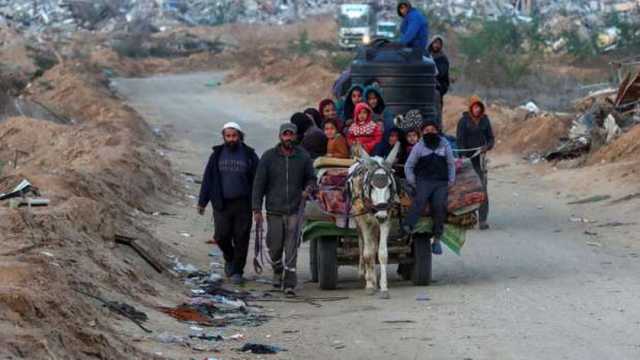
x=378, y=187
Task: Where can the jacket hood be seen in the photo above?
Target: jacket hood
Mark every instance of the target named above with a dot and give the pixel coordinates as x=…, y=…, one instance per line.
x=403, y=2
x=475, y=99
x=359, y=108
x=324, y=103
x=302, y=122
x=315, y=114
x=378, y=91
x=434, y=38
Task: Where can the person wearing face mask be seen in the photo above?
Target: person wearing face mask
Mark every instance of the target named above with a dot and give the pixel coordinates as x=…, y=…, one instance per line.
x=284, y=177
x=474, y=132
x=227, y=184
x=430, y=169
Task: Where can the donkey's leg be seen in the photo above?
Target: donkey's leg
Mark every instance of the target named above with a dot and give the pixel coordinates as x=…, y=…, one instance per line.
x=383, y=257
x=369, y=259
x=361, y=270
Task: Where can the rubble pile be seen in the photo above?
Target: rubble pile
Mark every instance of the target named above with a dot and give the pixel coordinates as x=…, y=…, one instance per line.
x=110, y=15
x=562, y=23
x=610, y=115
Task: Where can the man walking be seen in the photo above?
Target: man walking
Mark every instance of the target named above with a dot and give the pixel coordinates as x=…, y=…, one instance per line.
x=474, y=132
x=285, y=177
x=442, y=64
x=414, y=30
x=227, y=183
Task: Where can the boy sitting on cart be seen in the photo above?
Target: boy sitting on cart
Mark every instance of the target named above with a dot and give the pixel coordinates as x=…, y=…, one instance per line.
x=431, y=170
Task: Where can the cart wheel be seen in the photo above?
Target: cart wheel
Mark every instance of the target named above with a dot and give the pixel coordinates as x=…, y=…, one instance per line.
x=421, y=259
x=313, y=260
x=327, y=262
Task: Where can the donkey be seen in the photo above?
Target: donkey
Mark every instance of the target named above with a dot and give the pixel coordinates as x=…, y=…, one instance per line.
x=373, y=188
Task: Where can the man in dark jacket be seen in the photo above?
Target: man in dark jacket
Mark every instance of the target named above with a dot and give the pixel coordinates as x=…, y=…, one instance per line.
x=227, y=183
x=414, y=30
x=474, y=132
x=442, y=64
x=285, y=177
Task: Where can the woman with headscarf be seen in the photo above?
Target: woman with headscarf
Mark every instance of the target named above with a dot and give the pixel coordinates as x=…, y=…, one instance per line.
x=354, y=97
x=328, y=112
x=315, y=116
x=309, y=136
x=373, y=97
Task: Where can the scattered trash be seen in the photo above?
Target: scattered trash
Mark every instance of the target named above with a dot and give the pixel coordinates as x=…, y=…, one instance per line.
x=590, y=233
x=398, y=322
x=186, y=234
x=616, y=224
x=21, y=190
x=422, y=297
x=128, y=311
x=290, y=331
x=138, y=248
x=237, y=337
x=593, y=243
x=581, y=220
x=167, y=338
x=261, y=349
x=46, y=253
x=624, y=199
x=592, y=199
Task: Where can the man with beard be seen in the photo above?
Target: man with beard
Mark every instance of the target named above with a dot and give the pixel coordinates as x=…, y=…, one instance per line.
x=284, y=178
x=430, y=169
x=227, y=183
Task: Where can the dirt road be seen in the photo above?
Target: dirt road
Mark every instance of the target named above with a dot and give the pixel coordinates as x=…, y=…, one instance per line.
x=535, y=286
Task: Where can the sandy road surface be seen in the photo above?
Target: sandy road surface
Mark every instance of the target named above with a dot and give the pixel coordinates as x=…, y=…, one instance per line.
x=533, y=287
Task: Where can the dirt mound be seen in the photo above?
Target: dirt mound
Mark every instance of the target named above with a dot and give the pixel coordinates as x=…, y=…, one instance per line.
x=96, y=174
x=626, y=147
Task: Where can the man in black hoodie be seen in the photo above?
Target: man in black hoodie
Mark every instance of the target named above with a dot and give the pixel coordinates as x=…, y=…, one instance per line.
x=227, y=183
x=442, y=64
x=284, y=178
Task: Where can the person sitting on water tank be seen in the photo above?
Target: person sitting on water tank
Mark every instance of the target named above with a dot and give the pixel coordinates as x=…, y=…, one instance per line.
x=414, y=30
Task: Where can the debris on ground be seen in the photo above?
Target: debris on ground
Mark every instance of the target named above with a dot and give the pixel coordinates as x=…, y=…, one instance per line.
x=606, y=120
x=591, y=199
x=261, y=348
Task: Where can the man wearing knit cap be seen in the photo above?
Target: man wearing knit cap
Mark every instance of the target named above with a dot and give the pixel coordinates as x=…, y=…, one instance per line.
x=430, y=169
x=227, y=183
x=284, y=178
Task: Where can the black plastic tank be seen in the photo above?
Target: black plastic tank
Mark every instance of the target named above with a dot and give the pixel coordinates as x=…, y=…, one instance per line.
x=407, y=79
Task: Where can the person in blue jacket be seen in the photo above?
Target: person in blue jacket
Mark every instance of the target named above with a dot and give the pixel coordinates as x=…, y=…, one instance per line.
x=414, y=30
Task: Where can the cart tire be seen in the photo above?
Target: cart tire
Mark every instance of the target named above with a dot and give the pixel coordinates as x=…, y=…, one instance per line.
x=327, y=262
x=421, y=260
x=313, y=260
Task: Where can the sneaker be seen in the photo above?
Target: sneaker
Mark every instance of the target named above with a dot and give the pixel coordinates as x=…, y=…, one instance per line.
x=228, y=269
x=277, y=281
x=289, y=292
x=436, y=248
x=237, y=279
x=484, y=226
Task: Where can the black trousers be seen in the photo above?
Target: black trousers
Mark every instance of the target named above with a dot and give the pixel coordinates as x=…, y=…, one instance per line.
x=434, y=193
x=483, y=212
x=232, y=232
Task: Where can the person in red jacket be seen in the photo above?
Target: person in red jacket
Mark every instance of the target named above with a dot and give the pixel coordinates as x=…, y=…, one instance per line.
x=364, y=131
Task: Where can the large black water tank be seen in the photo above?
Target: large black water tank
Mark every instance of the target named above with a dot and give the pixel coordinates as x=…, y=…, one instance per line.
x=407, y=79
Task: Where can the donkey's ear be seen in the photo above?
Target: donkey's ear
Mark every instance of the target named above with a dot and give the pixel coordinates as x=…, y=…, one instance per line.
x=363, y=153
x=393, y=155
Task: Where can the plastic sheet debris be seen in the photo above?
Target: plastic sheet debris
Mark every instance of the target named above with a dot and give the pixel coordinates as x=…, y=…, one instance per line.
x=261, y=348
x=167, y=338
x=423, y=297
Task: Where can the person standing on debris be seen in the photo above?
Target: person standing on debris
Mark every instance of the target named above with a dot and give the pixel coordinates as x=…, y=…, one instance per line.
x=227, y=183
x=414, y=30
x=474, y=134
x=284, y=179
x=430, y=169
x=442, y=64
